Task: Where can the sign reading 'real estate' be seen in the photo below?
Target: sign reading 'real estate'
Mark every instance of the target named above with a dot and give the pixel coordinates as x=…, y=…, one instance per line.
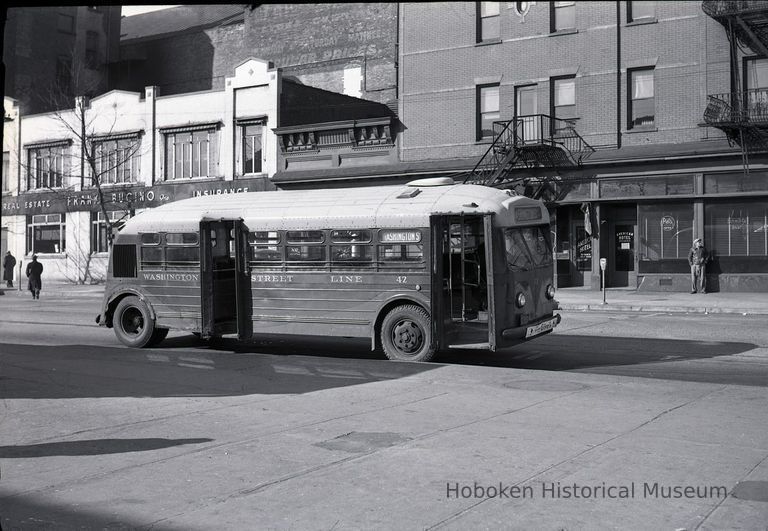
x=120, y=197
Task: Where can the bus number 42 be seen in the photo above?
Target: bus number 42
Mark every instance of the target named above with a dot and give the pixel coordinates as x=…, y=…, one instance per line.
x=401, y=279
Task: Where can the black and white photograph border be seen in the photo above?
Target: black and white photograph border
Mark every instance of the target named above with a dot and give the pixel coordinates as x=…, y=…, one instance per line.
x=446, y=265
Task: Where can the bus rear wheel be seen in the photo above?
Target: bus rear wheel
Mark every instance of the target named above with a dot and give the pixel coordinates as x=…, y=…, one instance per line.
x=133, y=323
x=406, y=334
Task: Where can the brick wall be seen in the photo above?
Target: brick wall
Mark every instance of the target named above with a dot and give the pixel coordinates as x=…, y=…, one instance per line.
x=440, y=71
x=312, y=43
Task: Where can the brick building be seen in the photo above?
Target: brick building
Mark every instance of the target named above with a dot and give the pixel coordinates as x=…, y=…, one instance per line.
x=72, y=59
x=632, y=84
x=195, y=47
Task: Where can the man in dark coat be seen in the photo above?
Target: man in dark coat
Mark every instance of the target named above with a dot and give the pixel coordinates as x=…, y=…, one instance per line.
x=35, y=273
x=697, y=259
x=9, y=264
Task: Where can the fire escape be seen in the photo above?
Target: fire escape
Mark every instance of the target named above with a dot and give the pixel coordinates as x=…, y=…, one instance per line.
x=528, y=142
x=741, y=115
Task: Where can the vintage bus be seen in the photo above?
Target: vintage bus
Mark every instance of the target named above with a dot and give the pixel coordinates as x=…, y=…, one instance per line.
x=416, y=268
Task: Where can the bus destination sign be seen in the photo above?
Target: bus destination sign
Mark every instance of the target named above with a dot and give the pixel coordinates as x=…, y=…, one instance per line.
x=400, y=236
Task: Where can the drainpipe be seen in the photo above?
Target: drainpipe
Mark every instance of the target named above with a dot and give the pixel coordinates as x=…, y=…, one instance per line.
x=618, y=74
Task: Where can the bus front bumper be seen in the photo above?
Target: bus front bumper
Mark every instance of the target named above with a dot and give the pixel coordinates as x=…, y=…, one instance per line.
x=532, y=329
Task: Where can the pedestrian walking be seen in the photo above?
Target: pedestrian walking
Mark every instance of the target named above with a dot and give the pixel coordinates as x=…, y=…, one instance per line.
x=9, y=264
x=697, y=259
x=35, y=273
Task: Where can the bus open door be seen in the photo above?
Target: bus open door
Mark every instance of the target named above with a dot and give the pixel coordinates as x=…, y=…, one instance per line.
x=462, y=302
x=225, y=293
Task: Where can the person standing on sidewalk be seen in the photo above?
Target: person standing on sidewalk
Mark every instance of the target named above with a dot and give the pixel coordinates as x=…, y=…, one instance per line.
x=697, y=259
x=9, y=264
x=35, y=274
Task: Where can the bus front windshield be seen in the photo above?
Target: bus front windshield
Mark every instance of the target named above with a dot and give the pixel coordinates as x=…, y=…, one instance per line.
x=527, y=247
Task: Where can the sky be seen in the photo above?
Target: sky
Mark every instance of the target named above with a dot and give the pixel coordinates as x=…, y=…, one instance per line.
x=137, y=10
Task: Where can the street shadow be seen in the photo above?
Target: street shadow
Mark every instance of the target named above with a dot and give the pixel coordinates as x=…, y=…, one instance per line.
x=92, y=447
x=669, y=359
x=187, y=366
x=25, y=512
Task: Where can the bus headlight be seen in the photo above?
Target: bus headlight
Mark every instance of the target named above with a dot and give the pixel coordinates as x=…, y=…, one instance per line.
x=550, y=291
x=520, y=300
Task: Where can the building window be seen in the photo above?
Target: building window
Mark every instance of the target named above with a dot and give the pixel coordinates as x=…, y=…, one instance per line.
x=117, y=161
x=64, y=74
x=642, y=104
x=45, y=167
x=252, y=148
x=563, y=101
x=353, y=81
x=563, y=16
x=666, y=231
x=91, y=49
x=99, y=228
x=488, y=21
x=756, y=83
x=6, y=177
x=190, y=154
x=66, y=23
x=737, y=228
x=487, y=110
x=641, y=11
x=46, y=233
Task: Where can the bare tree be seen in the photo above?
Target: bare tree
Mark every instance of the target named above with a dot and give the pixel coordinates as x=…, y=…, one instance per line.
x=103, y=155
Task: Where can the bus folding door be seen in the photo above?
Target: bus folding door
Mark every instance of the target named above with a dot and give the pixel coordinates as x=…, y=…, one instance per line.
x=225, y=278
x=462, y=282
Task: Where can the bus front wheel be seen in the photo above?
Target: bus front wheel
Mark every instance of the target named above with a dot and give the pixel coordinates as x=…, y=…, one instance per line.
x=406, y=334
x=133, y=323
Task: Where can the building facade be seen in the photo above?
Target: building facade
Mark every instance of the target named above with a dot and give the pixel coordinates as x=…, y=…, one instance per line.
x=343, y=48
x=73, y=57
x=608, y=103
x=130, y=151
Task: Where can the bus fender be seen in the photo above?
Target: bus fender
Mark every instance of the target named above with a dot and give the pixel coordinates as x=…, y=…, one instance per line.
x=116, y=296
x=387, y=305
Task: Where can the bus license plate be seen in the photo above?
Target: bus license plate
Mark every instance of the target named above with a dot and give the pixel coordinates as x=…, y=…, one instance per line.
x=540, y=328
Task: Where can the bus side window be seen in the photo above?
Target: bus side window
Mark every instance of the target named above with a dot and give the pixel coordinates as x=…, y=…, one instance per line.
x=151, y=252
x=357, y=250
x=182, y=251
x=312, y=248
x=265, y=248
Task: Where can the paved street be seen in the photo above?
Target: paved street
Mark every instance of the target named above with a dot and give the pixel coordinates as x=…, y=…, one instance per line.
x=326, y=435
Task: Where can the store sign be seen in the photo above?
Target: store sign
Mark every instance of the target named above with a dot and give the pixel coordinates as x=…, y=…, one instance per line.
x=122, y=198
x=668, y=223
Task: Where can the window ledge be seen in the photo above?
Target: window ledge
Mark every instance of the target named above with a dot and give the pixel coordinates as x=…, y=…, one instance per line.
x=485, y=141
x=190, y=180
x=45, y=256
x=640, y=130
x=114, y=185
x=642, y=21
x=563, y=32
x=42, y=190
x=488, y=42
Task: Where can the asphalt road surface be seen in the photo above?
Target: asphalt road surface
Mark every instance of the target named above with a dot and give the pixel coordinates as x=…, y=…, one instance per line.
x=322, y=433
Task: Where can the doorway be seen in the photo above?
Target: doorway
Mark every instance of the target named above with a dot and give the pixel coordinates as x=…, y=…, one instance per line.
x=526, y=106
x=225, y=293
x=622, y=229
x=463, y=299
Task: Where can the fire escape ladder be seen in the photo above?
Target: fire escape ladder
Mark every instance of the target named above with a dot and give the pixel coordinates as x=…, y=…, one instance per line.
x=534, y=141
x=743, y=115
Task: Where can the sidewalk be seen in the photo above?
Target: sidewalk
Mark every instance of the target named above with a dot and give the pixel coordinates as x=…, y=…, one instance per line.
x=570, y=299
x=628, y=300
x=56, y=290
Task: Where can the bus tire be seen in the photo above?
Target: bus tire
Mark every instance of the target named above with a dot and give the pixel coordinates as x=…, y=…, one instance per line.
x=133, y=322
x=406, y=334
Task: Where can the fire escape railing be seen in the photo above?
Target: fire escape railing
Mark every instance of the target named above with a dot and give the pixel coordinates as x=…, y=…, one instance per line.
x=749, y=106
x=526, y=142
x=726, y=8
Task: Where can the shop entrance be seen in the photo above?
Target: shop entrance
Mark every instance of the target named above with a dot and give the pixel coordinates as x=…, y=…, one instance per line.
x=621, y=235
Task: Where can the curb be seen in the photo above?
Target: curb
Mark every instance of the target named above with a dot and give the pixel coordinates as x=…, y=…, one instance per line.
x=663, y=309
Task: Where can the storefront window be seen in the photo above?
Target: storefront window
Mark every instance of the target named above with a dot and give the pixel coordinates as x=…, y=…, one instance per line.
x=737, y=229
x=666, y=231
x=99, y=240
x=46, y=233
x=583, y=250
x=729, y=183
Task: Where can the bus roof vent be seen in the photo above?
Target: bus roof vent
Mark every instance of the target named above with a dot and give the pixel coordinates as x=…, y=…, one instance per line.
x=434, y=181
